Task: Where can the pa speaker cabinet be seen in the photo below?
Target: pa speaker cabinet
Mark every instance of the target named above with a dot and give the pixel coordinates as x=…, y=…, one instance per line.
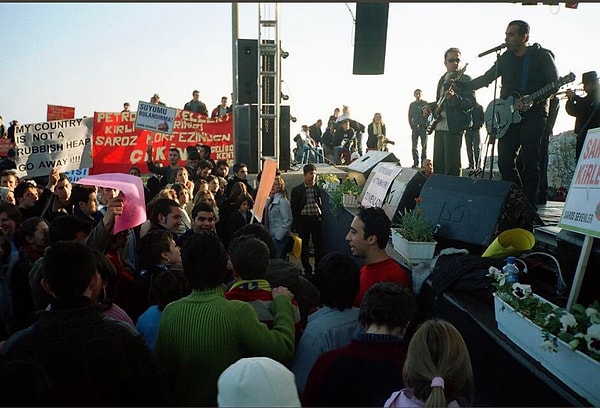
x=474, y=211
x=245, y=137
x=400, y=194
x=361, y=167
x=247, y=71
x=370, y=36
x=268, y=138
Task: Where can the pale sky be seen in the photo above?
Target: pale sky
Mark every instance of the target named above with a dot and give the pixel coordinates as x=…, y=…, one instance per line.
x=96, y=56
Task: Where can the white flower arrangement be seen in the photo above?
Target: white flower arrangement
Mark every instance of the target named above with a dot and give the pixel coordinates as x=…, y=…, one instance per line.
x=579, y=328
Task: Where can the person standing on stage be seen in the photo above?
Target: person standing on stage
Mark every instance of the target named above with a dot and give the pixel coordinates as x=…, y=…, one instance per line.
x=473, y=137
x=418, y=124
x=524, y=69
x=376, y=132
x=451, y=115
x=585, y=109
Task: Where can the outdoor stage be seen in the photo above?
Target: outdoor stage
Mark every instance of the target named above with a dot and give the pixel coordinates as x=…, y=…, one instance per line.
x=504, y=374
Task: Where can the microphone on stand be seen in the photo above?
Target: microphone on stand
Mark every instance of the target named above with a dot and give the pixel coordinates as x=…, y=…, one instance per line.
x=498, y=48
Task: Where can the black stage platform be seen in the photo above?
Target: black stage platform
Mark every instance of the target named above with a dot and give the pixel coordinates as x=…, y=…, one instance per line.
x=505, y=376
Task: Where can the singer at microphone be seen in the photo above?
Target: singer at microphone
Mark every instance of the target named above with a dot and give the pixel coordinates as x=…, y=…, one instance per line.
x=498, y=48
x=523, y=69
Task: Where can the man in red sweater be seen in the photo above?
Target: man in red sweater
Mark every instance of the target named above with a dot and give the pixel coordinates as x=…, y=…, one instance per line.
x=368, y=238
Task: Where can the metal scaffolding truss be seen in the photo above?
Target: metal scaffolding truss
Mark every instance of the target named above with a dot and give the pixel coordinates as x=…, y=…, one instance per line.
x=269, y=76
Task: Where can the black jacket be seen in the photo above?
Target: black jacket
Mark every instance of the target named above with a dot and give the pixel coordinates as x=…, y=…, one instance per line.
x=298, y=201
x=542, y=71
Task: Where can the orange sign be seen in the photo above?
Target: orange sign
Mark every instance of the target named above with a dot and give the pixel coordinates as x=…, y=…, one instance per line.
x=5, y=144
x=57, y=112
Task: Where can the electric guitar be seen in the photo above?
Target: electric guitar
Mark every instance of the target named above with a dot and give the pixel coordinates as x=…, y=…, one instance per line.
x=501, y=113
x=434, y=117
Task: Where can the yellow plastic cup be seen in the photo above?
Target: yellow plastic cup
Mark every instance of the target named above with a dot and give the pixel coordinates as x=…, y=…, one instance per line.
x=512, y=242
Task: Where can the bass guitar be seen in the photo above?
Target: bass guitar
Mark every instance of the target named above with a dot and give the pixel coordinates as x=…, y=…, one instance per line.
x=501, y=113
x=434, y=117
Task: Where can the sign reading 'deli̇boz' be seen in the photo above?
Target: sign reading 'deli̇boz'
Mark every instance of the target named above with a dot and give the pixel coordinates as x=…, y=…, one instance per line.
x=157, y=118
x=581, y=212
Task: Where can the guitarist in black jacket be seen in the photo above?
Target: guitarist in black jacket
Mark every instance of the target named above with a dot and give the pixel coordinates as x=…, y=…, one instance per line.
x=450, y=116
x=524, y=69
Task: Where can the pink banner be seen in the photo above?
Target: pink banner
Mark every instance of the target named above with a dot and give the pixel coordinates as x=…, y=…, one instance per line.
x=134, y=210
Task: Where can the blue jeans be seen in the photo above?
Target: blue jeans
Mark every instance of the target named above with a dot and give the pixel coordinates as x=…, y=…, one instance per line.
x=280, y=247
x=472, y=141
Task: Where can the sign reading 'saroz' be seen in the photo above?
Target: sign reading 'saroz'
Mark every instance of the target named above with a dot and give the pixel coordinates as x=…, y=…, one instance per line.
x=157, y=118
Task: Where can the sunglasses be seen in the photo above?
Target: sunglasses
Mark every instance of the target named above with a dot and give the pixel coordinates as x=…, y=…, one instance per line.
x=452, y=60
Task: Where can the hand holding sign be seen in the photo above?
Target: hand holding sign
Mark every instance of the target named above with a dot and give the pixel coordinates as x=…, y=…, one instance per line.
x=53, y=179
x=129, y=206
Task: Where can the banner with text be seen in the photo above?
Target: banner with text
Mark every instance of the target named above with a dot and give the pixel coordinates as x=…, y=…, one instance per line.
x=64, y=144
x=380, y=184
x=57, y=112
x=156, y=118
x=119, y=144
x=581, y=212
x=5, y=144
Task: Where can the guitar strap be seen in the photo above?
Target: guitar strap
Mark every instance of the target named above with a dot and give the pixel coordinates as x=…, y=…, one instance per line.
x=525, y=72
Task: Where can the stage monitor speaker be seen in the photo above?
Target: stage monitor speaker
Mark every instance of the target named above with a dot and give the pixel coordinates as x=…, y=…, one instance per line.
x=472, y=212
x=370, y=36
x=247, y=71
x=361, y=167
x=400, y=193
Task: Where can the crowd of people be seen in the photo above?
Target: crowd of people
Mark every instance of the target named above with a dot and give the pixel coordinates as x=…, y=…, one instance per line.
x=200, y=305
x=189, y=307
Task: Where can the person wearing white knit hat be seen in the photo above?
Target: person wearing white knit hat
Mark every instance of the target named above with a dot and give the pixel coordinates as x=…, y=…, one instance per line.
x=257, y=382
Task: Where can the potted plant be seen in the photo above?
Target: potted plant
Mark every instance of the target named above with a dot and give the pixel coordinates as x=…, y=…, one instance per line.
x=344, y=194
x=566, y=343
x=413, y=236
x=328, y=181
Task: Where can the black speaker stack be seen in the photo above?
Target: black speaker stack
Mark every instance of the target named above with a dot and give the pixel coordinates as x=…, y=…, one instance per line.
x=246, y=112
x=370, y=37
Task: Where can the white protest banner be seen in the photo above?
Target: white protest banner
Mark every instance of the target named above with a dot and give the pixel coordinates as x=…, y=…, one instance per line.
x=153, y=117
x=581, y=212
x=380, y=184
x=64, y=144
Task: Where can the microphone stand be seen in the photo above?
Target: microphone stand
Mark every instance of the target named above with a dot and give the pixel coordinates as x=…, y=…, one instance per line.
x=491, y=137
